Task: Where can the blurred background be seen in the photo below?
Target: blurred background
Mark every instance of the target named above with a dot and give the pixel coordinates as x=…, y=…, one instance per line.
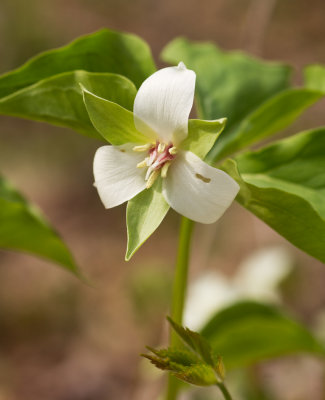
x=62, y=340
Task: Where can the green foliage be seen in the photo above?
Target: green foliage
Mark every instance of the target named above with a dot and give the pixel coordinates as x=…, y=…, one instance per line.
x=284, y=185
x=102, y=51
x=58, y=100
x=112, y=121
x=228, y=85
x=271, y=117
x=248, y=332
x=23, y=228
x=202, y=135
x=315, y=77
x=198, y=365
x=144, y=214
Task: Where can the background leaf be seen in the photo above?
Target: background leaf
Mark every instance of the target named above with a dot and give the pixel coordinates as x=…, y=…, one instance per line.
x=243, y=89
x=271, y=117
x=144, y=214
x=58, y=99
x=284, y=185
x=102, y=51
x=248, y=332
x=315, y=77
x=229, y=84
x=23, y=228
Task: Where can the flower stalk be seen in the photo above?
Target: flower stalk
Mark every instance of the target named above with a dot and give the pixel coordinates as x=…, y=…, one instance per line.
x=179, y=292
x=224, y=391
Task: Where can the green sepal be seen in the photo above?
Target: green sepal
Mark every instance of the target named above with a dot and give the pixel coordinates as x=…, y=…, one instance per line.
x=144, y=214
x=178, y=362
x=58, y=100
x=112, y=121
x=195, y=341
x=198, y=364
x=176, y=355
x=202, y=135
x=199, y=375
x=24, y=228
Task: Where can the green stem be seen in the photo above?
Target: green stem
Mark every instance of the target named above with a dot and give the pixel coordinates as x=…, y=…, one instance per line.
x=179, y=293
x=224, y=391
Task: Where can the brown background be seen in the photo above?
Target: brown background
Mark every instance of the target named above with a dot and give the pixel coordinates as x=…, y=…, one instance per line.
x=61, y=340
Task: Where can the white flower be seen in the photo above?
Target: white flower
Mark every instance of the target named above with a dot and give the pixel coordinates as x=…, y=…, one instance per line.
x=257, y=278
x=189, y=185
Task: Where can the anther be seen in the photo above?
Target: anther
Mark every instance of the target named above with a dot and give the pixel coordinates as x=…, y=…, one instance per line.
x=144, y=147
x=152, y=178
x=143, y=163
x=161, y=147
x=172, y=151
x=164, y=169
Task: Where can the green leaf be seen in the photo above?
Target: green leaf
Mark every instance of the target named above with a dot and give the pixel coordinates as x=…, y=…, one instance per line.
x=102, y=51
x=272, y=116
x=248, y=332
x=284, y=185
x=229, y=84
x=58, y=100
x=315, y=77
x=23, y=228
x=202, y=135
x=144, y=214
x=112, y=121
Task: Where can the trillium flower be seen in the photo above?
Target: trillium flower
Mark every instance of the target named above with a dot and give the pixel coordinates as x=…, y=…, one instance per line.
x=157, y=149
x=189, y=185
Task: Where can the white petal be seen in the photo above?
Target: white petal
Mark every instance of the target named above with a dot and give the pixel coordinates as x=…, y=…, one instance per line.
x=117, y=177
x=164, y=102
x=261, y=273
x=196, y=190
x=206, y=295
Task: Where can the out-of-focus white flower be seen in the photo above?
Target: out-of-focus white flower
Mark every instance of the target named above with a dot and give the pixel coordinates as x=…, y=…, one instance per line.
x=257, y=278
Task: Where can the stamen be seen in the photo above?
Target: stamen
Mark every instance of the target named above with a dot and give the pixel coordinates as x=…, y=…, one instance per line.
x=148, y=173
x=144, y=147
x=143, y=163
x=172, y=151
x=161, y=147
x=164, y=169
x=152, y=178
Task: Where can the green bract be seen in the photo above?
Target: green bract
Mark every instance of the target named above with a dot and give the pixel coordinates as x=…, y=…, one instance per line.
x=103, y=51
x=284, y=185
x=58, y=99
x=271, y=117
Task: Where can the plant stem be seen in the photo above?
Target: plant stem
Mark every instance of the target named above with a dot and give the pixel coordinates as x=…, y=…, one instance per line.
x=224, y=391
x=179, y=292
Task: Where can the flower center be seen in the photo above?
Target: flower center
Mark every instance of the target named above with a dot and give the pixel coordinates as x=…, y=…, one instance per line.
x=158, y=160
